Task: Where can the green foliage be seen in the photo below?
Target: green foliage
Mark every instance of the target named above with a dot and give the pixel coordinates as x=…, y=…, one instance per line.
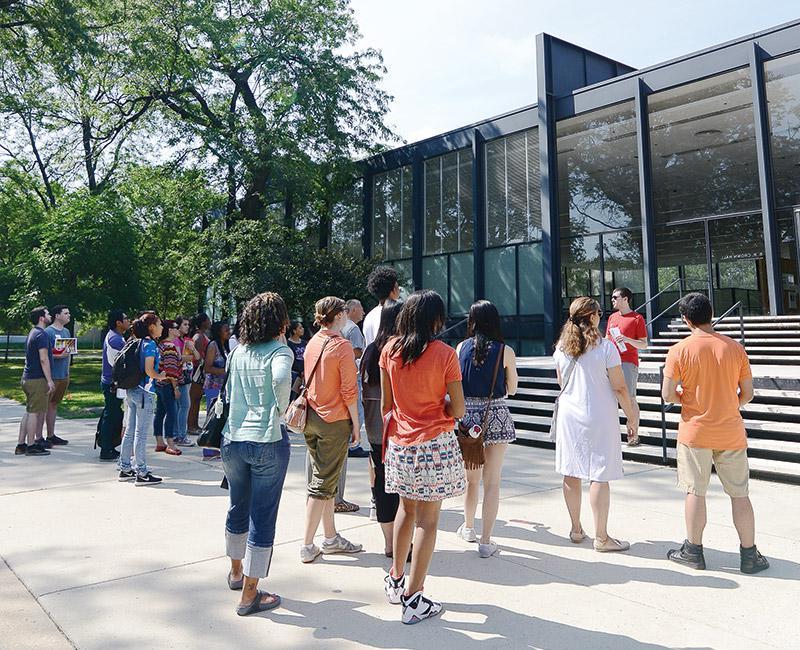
x=274, y=258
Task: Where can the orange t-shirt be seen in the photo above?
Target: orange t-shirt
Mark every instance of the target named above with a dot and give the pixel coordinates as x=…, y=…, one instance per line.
x=333, y=387
x=710, y=367
x=418, y=390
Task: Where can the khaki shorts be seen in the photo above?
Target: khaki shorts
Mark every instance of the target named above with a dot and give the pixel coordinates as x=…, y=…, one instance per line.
x=327, y=450
x=631, y=373
x=36, y=395
x=60, y=390
x=694, y=470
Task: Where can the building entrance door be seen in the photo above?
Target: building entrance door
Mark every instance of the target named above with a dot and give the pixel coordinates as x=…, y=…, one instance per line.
x=721, y=257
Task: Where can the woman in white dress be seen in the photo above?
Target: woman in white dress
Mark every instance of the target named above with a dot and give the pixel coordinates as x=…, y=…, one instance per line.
x=588, y=440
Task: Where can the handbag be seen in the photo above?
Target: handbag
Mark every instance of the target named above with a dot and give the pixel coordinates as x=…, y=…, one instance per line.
x=472, y=449
x=297, y=414
x=216, y=417
x=570, y=369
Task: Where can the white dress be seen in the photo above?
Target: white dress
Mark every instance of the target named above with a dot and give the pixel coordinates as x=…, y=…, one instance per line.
x=588, y=434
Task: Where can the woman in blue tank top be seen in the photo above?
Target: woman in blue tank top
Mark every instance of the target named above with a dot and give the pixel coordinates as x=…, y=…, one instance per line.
x=478, y=356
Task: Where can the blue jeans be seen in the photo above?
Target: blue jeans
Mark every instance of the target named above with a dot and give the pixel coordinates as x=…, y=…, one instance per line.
x=140, y=406
x=182, y=421
x=255, y=472
x=166, y=411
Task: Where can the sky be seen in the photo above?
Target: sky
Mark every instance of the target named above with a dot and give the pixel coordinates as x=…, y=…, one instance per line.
x=454, y=63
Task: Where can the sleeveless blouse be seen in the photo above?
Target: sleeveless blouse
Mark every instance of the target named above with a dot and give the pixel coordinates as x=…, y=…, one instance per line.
x=476, y=379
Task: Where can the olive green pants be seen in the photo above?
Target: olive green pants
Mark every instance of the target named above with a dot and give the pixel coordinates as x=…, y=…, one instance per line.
x=327, y=444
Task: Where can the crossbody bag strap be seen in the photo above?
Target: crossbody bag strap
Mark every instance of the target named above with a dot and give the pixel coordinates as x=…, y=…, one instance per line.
x=316, y=363
x=500, y=356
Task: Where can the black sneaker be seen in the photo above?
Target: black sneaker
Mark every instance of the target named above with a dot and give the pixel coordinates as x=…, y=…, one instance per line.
x=44, y=443
x=36, y=450
x=20, y=449
x=147, y=479
x=357, y=452
x=107, y=457
x=55, y=440
x=689, y=554
x=752, y=561
x=127, y=474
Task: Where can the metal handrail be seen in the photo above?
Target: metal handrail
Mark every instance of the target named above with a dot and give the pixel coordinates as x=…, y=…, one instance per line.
x=667, y=406
x=655, y=318
x=680, y=289
x=738, y=306
x=441, y=334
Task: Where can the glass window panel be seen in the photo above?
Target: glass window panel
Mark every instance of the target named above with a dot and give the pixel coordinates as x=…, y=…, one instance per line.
x=449, y=224
x=534, y=186
x=462, y=283
x=703, y=148
x=407, y=220
x=394, y=202
x=598, y=171
x=465, y=212
x=580, y=268
x=501, y=279
x=783, y=100
x=434, y=275
x=790, y=271
x=392, y=226
x=406, y=281
x=433, y=205
x=379, y=216
x=495, y=192
x=346, y=221
x=531, y=285
x=517, y=188
x=622, y=264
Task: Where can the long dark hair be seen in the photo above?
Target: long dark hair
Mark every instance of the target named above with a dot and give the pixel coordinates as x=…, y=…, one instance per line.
x=196, y=321
x=370, y=372
x=483, y=326
x=141, y=326
x=216, y=336
x=421, y=317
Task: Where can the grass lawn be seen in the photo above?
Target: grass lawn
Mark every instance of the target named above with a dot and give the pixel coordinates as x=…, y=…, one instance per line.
x=83, y=398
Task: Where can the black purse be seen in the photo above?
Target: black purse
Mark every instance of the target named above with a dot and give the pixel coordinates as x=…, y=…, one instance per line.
x=216, y=417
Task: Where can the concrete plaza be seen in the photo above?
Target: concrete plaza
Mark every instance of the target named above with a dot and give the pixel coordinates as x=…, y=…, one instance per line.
x=89, y=562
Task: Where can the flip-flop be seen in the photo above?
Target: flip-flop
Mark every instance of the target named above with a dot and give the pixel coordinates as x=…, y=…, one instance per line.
x=258, y=606
x=173, y=452
x=161, y=448
x=235, y=585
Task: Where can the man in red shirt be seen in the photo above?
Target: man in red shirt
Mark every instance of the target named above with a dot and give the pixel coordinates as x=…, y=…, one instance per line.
x=626, y=328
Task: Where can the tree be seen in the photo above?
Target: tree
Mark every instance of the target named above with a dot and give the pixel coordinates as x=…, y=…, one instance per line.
x=275, y=91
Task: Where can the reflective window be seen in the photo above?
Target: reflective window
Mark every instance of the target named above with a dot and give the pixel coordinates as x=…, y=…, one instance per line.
x=434, y=275
x=598, y=171
x=783, y=99
x=462, y=283
x=392, y=224
x=503, y=267
x=703, y=148
x=580, y=268
x=531, y=286
x=513, y=201
x=347, y=225
x=448, y=203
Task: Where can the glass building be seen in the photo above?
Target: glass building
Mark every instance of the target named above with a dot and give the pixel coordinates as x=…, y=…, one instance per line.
x=684, y=173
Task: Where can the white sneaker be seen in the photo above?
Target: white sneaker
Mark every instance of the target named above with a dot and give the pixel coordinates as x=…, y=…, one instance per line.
x=309, y=553
x=467, y=534
x=373, y=511
x=487, y=550
x=417, y=608
x=394, y=588
x=340, y=545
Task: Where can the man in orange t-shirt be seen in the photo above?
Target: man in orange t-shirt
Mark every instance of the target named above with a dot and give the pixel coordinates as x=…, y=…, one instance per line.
x=714, y=375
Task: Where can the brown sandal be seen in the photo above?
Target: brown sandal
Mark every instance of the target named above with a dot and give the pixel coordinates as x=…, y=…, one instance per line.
x=346, y=506
x=172, y=452
x=577, y=538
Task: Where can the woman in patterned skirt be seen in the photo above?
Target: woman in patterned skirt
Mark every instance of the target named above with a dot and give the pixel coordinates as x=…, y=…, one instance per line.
x=421, y=396
x=477, y=356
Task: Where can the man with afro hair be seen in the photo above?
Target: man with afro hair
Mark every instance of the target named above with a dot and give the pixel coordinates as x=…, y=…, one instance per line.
x=383, y=284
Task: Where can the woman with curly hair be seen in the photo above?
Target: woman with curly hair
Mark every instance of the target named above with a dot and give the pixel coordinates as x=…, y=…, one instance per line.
x=255, y=447
x=331, y=426
x=588, y=440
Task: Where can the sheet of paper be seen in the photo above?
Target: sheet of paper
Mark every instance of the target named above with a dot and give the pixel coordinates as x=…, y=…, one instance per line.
x=615, y=331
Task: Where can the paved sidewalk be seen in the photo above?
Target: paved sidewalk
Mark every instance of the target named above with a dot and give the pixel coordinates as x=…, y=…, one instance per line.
x=89, y=562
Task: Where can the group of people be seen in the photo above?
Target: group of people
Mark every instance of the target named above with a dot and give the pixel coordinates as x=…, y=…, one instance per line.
x=418, y=400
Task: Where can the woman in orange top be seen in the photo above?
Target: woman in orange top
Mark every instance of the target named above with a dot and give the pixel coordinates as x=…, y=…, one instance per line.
x=331, y=426
x=421, y=394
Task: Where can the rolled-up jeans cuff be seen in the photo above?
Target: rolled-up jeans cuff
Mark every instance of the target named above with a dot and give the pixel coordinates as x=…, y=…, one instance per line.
x=256, y=561
x=235, y=545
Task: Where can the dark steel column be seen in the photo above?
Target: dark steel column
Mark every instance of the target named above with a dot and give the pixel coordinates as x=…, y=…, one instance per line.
x=479, y=213
x=768, y=214
x=366, y=193
x=418, y=216
x=646, y=198
x=551, y=254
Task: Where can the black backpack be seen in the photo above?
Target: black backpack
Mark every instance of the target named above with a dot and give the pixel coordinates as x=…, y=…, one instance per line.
x=127, y=371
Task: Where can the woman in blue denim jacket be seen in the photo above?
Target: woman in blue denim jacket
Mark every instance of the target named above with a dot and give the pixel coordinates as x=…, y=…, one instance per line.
x=255, y=447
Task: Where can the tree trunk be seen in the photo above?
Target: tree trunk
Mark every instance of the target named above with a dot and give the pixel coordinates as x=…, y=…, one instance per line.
x=86, y=128
x=253, y=202
x=288, y=211
x=325, y=226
